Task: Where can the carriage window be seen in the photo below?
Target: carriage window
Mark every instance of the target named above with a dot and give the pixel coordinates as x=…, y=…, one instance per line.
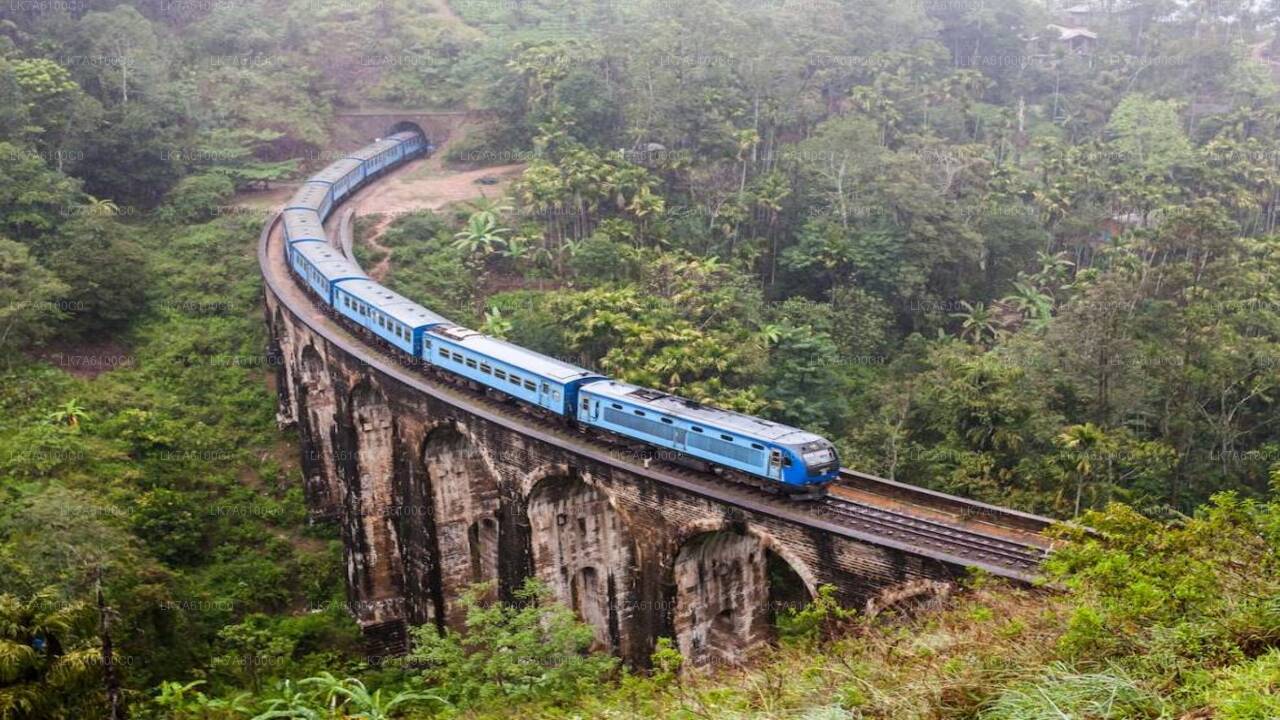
x=471, y=363
x=529, y=385
x=615, y=406
x=757, y=446
x=444, y=353
x=500, y=374
x=457, y=357
x=638, y=412
x=667, y=421
x=696, y=429
x=486, y=368
x=727, y=438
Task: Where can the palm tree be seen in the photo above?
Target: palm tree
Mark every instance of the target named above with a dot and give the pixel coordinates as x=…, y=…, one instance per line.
x=69, y=414
x=1035, y=306
x=496, y=324
x=481, y=236
x=100, y=208
x=1085, y=443
x=47, y=652
x=978, y=324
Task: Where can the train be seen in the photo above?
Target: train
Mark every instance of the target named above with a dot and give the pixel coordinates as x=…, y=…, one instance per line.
x=771, y=455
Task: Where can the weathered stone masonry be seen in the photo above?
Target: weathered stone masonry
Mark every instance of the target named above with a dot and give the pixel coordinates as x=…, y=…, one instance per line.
x=432, y=498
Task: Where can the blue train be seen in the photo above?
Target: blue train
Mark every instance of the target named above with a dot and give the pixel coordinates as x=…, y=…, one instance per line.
x=785, y=458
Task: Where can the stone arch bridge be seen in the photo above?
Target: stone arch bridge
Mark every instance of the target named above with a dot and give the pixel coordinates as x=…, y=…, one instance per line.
x=436, y=488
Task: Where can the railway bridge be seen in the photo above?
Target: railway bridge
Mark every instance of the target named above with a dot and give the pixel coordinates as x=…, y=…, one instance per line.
x=436, y=488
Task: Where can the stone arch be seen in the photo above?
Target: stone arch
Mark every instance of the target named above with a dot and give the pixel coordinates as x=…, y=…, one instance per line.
x=468, y=517
x=729, y=586
x=584, y=551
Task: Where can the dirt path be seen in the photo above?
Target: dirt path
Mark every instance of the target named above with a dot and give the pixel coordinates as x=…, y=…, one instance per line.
x=424, y=184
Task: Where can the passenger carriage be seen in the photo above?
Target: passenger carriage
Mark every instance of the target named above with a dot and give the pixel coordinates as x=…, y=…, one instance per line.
x=539, y=380
x=749, y=444
x=391, y=316
x=322, y=267
x=316, y=196
x=342, y=177
x=377, y=157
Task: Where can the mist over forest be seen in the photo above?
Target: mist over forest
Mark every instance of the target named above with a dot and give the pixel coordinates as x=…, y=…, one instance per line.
x=1020, y=251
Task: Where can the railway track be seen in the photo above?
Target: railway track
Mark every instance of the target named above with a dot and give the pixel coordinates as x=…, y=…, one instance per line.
x=944, y=537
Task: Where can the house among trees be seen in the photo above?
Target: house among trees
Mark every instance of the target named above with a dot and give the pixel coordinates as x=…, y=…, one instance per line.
x=1078, y=40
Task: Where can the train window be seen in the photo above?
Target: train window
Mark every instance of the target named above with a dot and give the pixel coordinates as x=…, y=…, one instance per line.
x=638, y=412
x=427, y=344
x=546, y=387
x=529, y=385
x=757, y=446
x=615, y=406
x=726, y=438
x=444, y=353
x=500, y=374
x=696, y=429
x=515, y=379
x=457, y=357
x=471, y=363
x=486, y=368
x=668, y=421
x=786, y=461
x=555, y=395
x=382, y=322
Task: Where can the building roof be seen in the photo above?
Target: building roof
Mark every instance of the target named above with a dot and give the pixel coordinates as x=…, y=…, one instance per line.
x=691, y=411
x=1071, y=33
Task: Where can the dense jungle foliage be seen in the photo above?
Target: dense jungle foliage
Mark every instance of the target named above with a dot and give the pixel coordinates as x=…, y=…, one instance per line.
x=977, y=255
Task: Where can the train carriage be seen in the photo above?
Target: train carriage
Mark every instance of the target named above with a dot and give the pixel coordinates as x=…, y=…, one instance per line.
x=377, y=157
x=342, y=176
x=411, y=143
x=315, y=196
x=322, y=267
x=523, y=374
x=302, y=225
x=389, y=315
x=752, y=445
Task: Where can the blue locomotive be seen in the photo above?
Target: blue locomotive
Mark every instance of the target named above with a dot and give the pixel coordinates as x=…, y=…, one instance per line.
x=786, y=458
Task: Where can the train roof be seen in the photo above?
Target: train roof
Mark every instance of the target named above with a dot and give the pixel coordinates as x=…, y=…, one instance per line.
x=309, y=197
x=395, y=305
x=331, y=264
x=303, y=224
x=336, y=171
x=369, y=151
x=503, y=351
x=403, y=136
x=692, y=411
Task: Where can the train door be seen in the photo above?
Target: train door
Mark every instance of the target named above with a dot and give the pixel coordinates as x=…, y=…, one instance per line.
x=545, y=396
x=775, y=464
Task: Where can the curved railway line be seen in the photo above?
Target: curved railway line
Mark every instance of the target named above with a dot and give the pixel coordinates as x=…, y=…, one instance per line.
x=872, y=510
